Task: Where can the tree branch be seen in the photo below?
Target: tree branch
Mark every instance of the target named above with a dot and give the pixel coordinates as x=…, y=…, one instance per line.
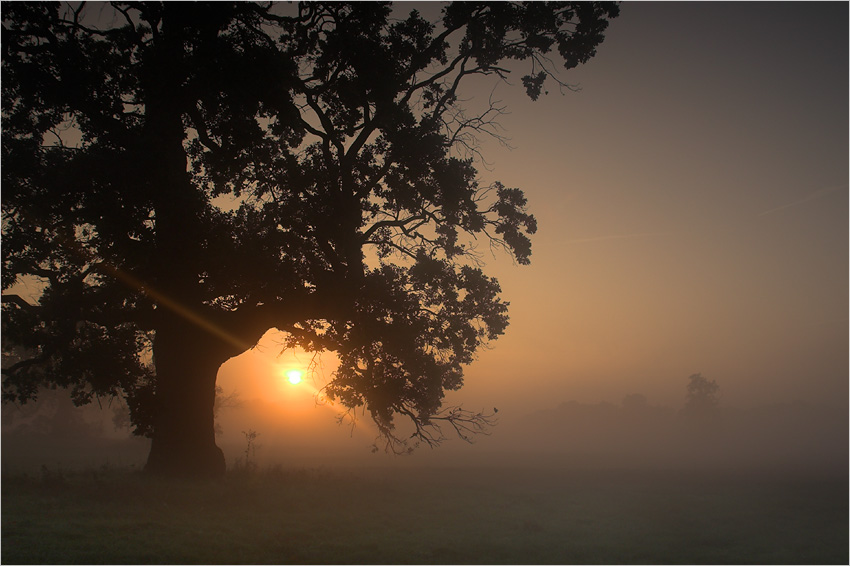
x=393, y=223
x=201, y=128
x=15, y=299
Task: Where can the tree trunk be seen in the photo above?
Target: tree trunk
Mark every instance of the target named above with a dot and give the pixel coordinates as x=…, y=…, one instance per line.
x=187, y=361
x=187, y=357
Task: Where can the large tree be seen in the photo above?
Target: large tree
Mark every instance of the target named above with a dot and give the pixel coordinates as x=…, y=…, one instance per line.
x=336, y=128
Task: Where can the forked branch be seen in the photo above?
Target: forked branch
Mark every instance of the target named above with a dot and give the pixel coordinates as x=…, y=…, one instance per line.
x=465, y=424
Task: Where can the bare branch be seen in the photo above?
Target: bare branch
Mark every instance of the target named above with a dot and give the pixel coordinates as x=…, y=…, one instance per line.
x=466, y=425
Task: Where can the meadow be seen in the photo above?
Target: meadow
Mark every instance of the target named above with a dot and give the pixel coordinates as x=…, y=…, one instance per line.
x=416, y=515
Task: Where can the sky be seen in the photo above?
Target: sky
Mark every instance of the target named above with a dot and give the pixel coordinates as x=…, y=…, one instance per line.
x=692, y=200
x=693, y=209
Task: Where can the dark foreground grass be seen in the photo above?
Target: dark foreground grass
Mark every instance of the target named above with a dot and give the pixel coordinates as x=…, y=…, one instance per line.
x=429, y=516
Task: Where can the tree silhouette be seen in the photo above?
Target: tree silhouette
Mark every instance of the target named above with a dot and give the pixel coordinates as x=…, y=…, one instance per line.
x=338, y=133
x=703, y=395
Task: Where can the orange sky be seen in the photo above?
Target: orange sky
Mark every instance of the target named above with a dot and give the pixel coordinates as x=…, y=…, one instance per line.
x=692, y=202
x=693, y=205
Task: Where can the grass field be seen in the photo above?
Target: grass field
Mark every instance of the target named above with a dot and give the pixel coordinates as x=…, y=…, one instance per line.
x=418, y=515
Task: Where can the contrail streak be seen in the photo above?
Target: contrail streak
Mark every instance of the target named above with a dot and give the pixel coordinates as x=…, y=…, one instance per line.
x=815, y=195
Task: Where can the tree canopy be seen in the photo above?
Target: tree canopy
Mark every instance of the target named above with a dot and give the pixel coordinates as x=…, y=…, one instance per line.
x=182, y=177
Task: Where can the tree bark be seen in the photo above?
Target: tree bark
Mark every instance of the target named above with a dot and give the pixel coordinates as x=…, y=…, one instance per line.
x=187, y=361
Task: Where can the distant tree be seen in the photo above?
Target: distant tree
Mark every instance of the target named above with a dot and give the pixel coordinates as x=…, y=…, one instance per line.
x=703, y=395
x=338, y=133
x=223, y=401
x=53, y=416
x=121, y=418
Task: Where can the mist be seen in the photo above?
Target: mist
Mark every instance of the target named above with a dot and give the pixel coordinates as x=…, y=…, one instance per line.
x=794, y=438
x=571, y=482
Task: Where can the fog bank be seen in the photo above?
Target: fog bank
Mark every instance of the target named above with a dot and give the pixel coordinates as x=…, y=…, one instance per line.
x=794, y=438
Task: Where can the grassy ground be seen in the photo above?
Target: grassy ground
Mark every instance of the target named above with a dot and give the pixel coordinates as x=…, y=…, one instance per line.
x=424, y=516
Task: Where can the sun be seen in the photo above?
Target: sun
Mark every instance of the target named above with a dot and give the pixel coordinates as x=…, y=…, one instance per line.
x=294, y=376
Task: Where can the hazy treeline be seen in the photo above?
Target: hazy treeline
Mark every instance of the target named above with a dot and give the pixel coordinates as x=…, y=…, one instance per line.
x=792, y=437
x=53, y=432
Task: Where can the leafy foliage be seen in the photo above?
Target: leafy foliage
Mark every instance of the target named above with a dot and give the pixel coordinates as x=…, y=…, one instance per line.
x=335, y=129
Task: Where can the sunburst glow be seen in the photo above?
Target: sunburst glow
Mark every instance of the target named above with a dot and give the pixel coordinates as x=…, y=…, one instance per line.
x=294, y=376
